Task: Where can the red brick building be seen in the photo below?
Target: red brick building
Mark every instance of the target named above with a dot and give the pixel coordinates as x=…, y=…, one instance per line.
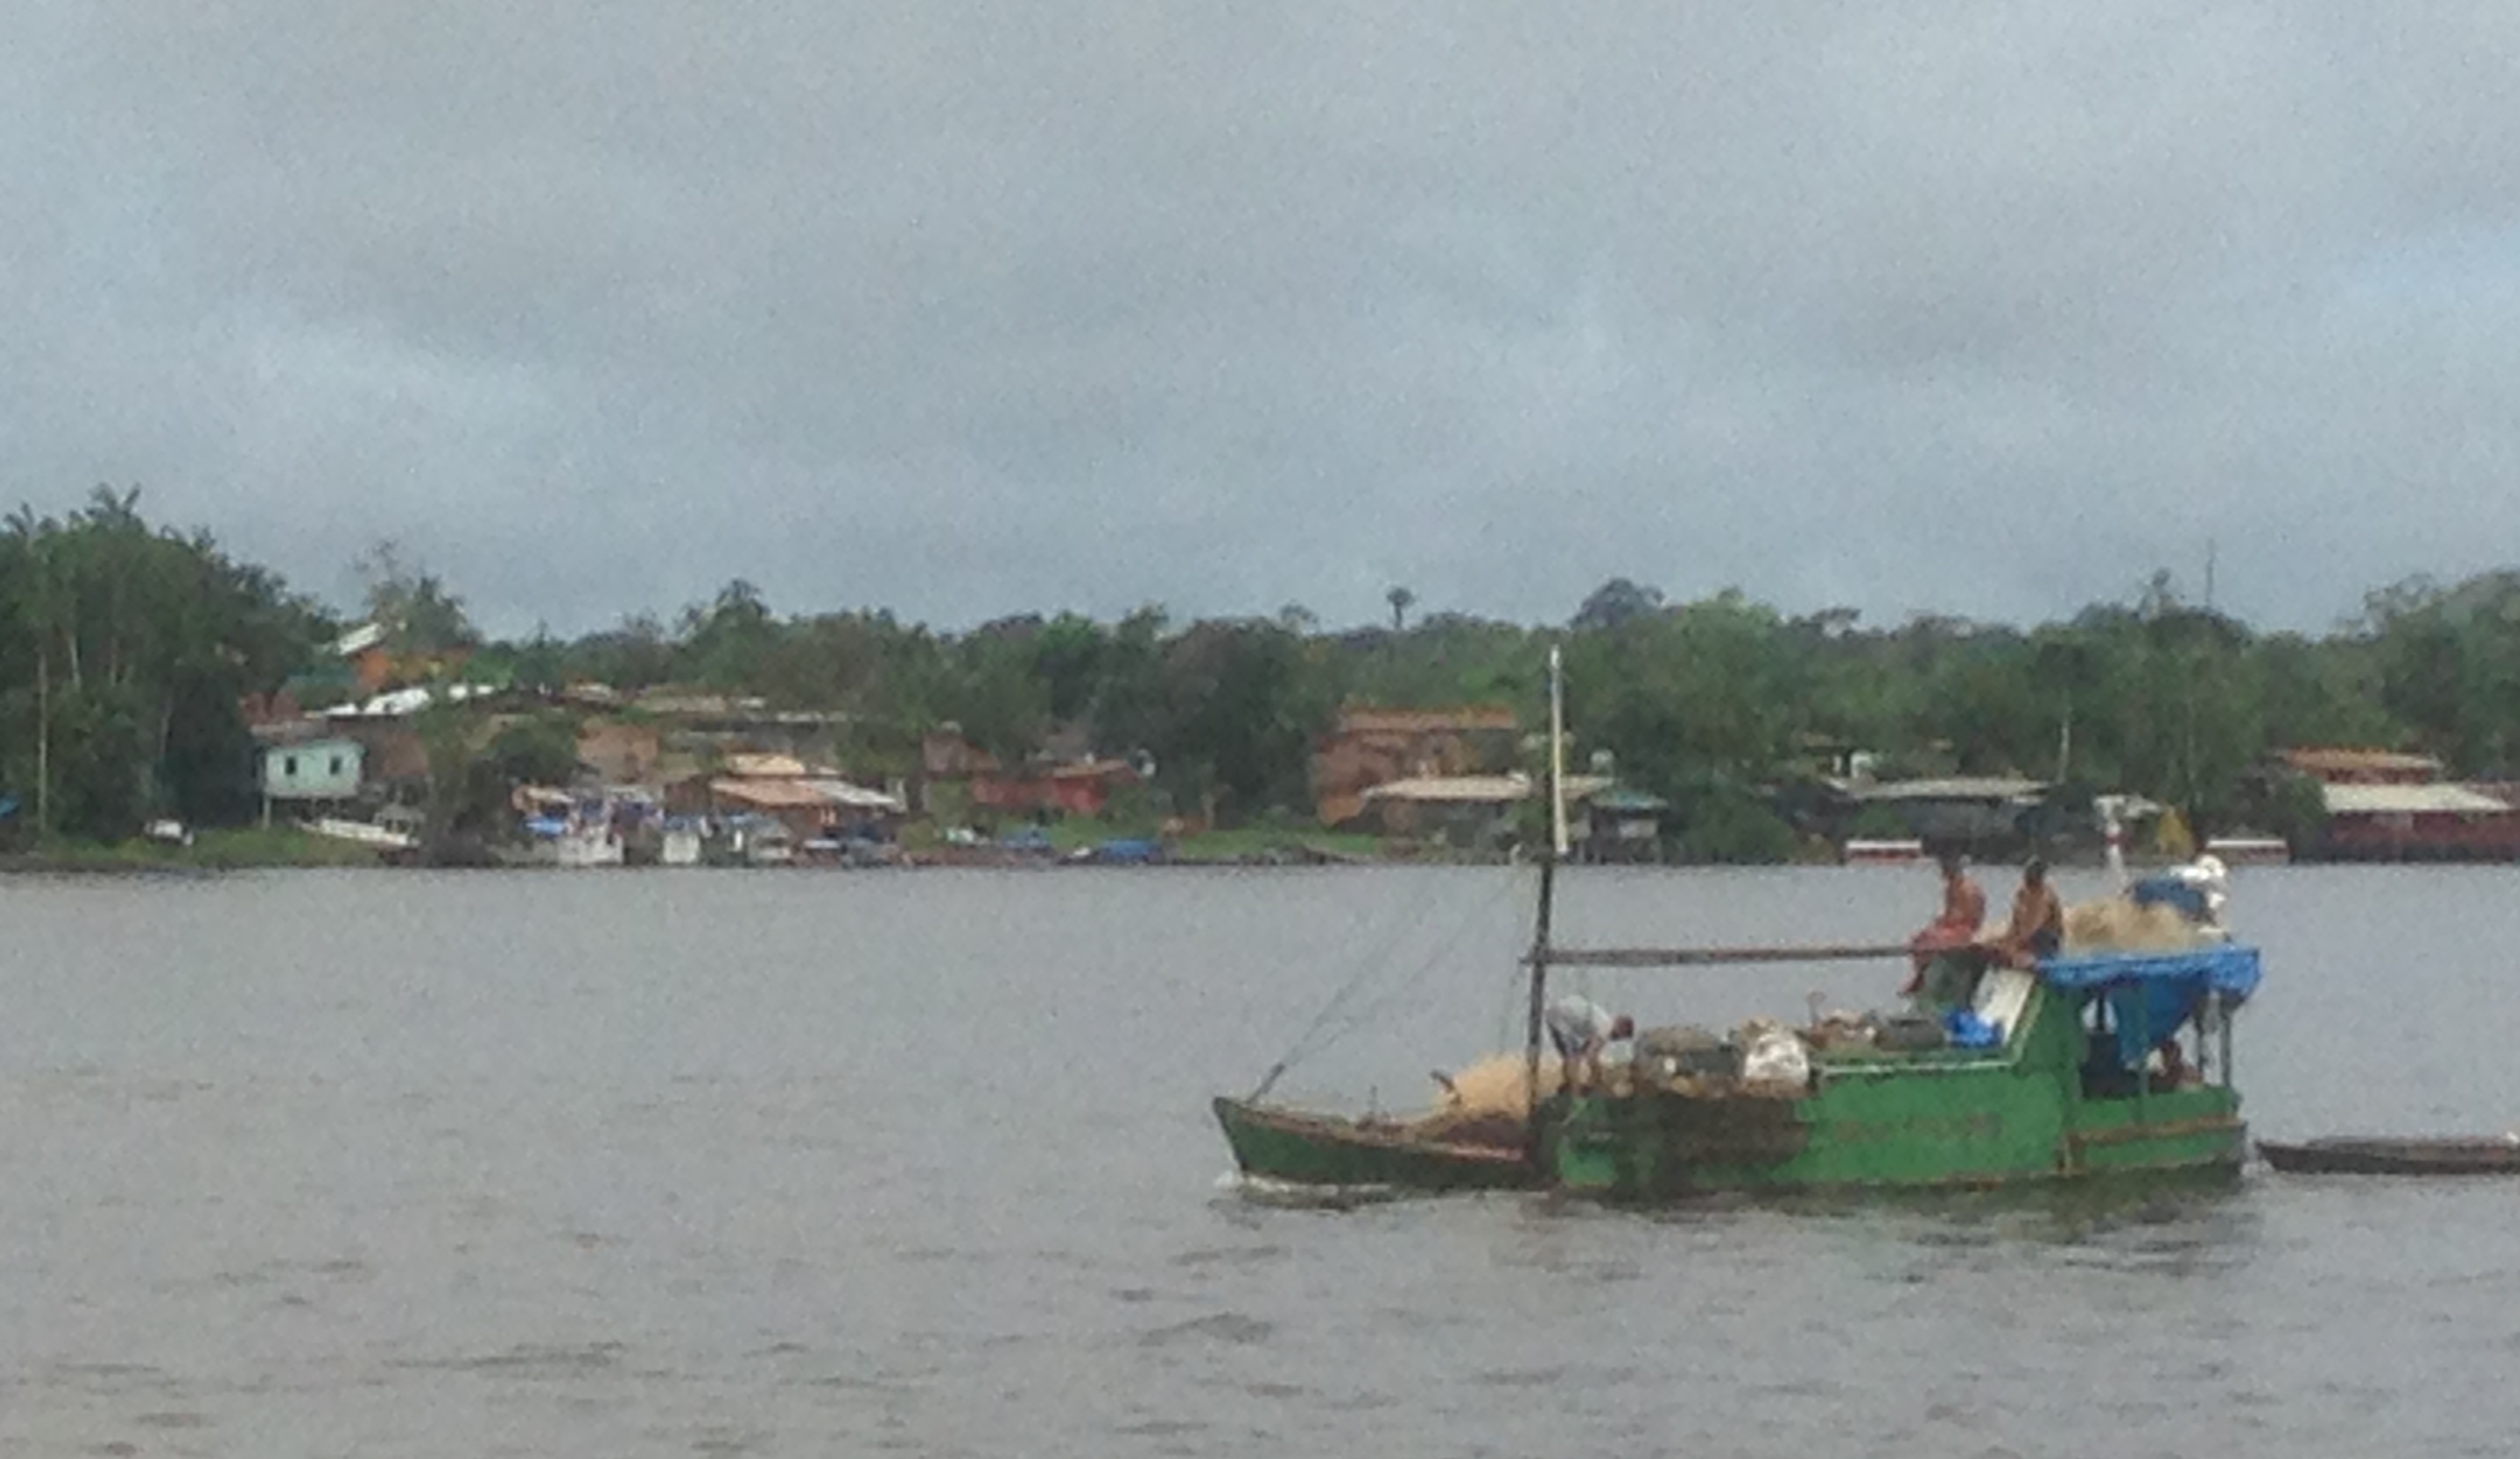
x=1372, y=747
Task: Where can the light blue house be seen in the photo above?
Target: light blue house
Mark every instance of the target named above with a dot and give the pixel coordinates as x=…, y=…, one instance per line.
x=327, y=769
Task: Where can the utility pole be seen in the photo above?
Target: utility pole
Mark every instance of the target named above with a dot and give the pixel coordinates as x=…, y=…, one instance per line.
x=43, y=741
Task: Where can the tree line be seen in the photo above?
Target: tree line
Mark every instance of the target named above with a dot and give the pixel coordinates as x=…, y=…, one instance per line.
x=123, y=653
x=125, y=649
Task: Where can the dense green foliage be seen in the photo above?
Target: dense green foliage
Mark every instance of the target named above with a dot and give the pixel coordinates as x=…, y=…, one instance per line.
x=124, y=651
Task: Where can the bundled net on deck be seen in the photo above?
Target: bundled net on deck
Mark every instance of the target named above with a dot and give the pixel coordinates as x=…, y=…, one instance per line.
x=1487, y=1102
x=2116, y=924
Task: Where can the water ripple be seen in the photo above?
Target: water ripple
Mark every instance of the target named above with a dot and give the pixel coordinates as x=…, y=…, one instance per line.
x=1222, y=1327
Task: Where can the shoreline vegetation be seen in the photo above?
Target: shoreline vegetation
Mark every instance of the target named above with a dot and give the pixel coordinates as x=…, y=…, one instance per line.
x=138, y=664
x=234, y=848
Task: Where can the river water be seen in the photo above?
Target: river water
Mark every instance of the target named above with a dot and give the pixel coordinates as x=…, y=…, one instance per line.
x=698, y=1163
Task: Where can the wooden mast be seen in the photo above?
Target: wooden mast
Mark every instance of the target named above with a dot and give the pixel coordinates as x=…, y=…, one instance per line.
x=1539, y=957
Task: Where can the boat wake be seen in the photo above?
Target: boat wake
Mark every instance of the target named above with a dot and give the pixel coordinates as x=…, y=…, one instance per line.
x=1260, y=1189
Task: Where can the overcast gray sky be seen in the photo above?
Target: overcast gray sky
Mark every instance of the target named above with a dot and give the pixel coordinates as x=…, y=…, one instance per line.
x=974, y=309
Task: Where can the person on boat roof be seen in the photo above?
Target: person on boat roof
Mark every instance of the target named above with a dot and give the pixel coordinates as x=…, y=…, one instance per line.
x=1580, y=1028
x=1955, y=926
x=1964, y=904
x=2038, y=925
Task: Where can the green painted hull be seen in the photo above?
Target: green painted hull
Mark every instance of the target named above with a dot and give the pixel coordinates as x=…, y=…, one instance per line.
x=2019, y=1116
x=1317, y=1150
x=2016, y=1115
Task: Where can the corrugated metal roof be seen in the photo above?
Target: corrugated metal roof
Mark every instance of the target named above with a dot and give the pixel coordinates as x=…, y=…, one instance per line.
x=1952, y=787
x=767, y=794
x=1479, y=790
x=297, y=733
x=856, y=796
x=398, y=703
x=2338, y=759
x=2409, y=799
x=774, y=766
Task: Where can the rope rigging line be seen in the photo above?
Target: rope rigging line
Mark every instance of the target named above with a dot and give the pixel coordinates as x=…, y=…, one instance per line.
x=1321, y=1034
x=1368, y=967
x=1442, y=955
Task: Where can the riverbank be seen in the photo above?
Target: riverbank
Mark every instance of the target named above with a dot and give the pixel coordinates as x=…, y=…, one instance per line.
x=1075, y=841
x=244, y=849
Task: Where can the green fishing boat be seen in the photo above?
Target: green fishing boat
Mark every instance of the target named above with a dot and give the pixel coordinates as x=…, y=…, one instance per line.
x=2068, y=1082
x=2092, y=1065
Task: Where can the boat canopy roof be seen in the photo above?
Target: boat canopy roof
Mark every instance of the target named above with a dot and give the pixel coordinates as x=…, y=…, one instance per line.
x=2230, y=969
x=2149, y=995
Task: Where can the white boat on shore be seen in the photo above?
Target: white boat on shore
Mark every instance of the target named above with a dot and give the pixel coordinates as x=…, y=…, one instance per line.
x=581, y=846
x=361, y=833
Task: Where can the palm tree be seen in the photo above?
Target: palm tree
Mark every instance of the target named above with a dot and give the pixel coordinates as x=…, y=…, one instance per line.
x=1399, y=599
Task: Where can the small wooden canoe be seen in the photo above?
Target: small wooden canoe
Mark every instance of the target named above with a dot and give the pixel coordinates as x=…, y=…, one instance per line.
x=2356, y=1155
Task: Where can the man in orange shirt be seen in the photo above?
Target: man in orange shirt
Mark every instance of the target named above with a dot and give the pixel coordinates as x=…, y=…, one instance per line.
x=2038, y=925
x=1964, y=904
x=1956, y=927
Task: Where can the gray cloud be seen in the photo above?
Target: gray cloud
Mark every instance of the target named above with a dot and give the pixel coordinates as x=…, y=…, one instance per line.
x=978, y=309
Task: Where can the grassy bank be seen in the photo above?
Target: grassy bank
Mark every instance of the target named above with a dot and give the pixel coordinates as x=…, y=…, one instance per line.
x=239, y=849
x=1259, y=844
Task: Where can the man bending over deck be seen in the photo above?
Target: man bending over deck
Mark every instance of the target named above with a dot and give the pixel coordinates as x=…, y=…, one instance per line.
x=1580, y=1028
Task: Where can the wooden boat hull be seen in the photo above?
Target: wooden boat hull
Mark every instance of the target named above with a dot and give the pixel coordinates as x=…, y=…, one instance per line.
x=2358, y=1156
x=1319, y=1150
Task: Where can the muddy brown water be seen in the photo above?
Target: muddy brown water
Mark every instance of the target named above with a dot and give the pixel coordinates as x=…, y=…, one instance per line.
x=791, y=1162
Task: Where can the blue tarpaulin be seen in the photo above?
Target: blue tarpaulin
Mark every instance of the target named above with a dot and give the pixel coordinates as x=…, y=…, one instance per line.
x=1966, y=1031
x=2151, y=994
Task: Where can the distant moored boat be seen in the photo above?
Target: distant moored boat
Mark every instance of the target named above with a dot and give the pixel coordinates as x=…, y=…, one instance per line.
x=2369, y=1155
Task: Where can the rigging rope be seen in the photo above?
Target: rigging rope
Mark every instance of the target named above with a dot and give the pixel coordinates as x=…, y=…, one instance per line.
x=1320, y=1035
x=1440, y=956
x=1303, y=1047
